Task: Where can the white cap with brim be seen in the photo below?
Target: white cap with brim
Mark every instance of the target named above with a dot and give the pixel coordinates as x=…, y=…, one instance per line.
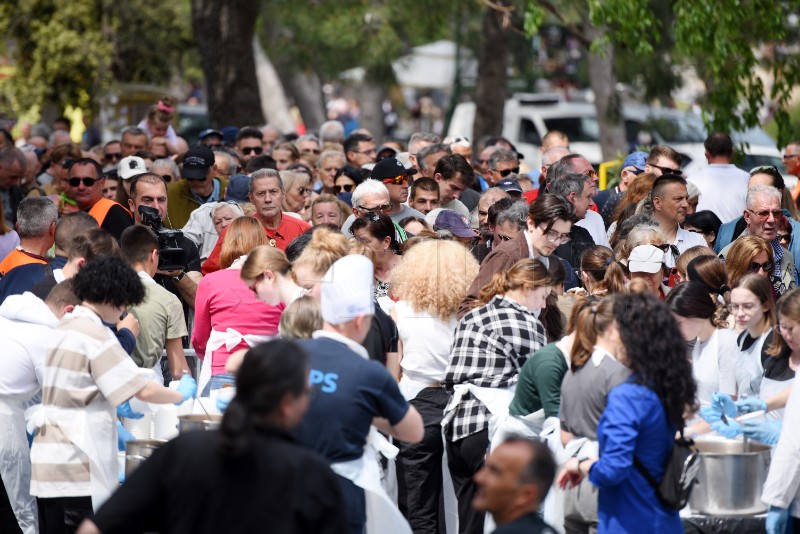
x=347, y=290
x=646, y=259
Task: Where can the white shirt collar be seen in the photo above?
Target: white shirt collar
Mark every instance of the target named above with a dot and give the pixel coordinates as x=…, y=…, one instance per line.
x=599, y=354
x=532, y=253
x=146, y=278
x=352, y=345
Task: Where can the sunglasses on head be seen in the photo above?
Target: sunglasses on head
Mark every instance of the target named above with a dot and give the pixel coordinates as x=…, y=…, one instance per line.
x=767, y=267
x=397, y=180
x=770, y=169
x=88, y=182
x=506, y=172
x=252, y=149
x=346, y=188
x=113, y=156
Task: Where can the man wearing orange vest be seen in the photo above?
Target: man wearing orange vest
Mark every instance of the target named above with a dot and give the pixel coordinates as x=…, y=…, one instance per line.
x=36, y=226
x=85, y=186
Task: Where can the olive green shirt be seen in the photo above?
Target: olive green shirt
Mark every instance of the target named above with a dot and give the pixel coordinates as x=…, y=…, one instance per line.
x=539, y=383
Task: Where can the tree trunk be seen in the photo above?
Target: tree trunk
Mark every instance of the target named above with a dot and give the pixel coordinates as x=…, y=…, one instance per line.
x=370, y=100
x=306, y=90
x=607, y=101
x=224, y=30
x=493, y=57
x=273, y=97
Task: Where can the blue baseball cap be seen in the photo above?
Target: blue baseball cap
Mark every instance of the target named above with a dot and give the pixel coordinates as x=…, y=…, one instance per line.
x=637, y=160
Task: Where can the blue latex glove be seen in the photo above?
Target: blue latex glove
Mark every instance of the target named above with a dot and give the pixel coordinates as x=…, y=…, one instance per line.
x=125, y=411
x=730, y=431
x=123, y=436
x=724, y=403
x=187, y=387
x=711, y=414
x=767, y=431
x=222, y=404
x=750, y=404
x=777, y=520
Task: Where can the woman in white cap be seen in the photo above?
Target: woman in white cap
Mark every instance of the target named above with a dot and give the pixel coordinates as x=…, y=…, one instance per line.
x=646, y=263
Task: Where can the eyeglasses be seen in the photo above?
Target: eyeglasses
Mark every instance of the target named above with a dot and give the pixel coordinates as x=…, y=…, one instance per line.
x=748, y=306
x=554, y=237
x=346, y=188
x=397, y=180
x=382, y=208
x=754, y=267
x=789, y=156
x=113, y=156
x=254, y=149
x=88, y=182
x=591, y=173
x=667, y=170
x=764, y=168
x=764, y=214
x=506, y=172
x=784, y=237
x=302, y=191
x=664, y=247
x=167, y=177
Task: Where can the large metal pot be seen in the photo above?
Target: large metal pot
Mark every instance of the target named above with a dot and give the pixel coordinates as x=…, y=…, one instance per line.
x=730, y=480
x=137, y=451
x=189, y=423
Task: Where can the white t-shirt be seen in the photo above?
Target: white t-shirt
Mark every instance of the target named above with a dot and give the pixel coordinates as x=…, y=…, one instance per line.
x=723, y=190
x=684, y=240
x=593, y=223
x=714, y=365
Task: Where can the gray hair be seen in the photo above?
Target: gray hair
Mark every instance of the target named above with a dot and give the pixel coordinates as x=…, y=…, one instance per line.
x=10, y=155
x=330, y=154
x=502, y=155
x=565, y=184
x=307, y=137
x=232, y=163
x=331, y=132
x=517, y=213
x=35, y=215
x=641, y=230
x=428, y=150
x=265, y=173
x=53, y=138
x=169, y=163
x=134, y=131
x=368, y=187
x=232, y=205
x=756, y=190
x=422, y=137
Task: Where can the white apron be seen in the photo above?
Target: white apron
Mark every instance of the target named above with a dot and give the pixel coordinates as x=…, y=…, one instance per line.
x=383, y=516
x=231, y=339
x=706, y=367
x=15, y=462
x=768, y=389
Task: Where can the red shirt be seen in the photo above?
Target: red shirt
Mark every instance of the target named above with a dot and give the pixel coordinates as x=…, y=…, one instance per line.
x=289, y=228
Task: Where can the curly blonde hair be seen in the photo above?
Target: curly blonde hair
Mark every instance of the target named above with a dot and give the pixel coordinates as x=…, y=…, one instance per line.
x=434, y=277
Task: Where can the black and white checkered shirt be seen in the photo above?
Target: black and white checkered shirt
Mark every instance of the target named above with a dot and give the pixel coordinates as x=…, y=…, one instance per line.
x=490, y=347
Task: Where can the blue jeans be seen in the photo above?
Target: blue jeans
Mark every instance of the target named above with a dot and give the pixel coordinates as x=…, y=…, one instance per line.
x=217, y=381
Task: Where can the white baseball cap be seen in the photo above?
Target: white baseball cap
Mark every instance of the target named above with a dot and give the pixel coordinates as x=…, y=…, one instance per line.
x=130, y=167
x=646, y=259
x=347, y=289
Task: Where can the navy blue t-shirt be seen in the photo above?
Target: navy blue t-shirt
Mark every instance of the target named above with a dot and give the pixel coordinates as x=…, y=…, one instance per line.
x=22, y=278
x=347, y=392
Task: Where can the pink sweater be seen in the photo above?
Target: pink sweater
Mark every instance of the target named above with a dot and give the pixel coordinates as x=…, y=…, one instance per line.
x=223, y=301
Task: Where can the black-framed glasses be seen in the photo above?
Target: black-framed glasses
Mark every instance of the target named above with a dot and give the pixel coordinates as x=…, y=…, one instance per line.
x=556, y=238
x=112, y=156
x=764, y=214
x=667, y=170
x=252, y=149
x=397, y=180
x=382, y=208
x=346, y=188
x=769, y=169
x=767, y=267
x=88, y=182
x=664, y=247
x=506, y=172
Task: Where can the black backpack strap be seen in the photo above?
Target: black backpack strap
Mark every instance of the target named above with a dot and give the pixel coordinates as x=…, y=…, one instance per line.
x=645, y=473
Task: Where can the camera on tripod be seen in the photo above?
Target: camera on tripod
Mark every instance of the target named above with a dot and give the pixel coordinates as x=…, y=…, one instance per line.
x=171, y=257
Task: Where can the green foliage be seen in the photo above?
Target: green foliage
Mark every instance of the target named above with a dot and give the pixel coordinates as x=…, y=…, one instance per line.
x=67, y=51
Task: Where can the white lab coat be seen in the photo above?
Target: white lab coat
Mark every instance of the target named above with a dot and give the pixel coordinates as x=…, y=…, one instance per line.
x=26, y=329
x=783, y=481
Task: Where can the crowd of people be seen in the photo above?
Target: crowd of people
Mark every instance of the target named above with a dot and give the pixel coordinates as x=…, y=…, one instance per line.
x=421, y=338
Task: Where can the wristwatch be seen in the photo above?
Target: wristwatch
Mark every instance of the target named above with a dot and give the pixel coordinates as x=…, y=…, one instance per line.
x=178, y=278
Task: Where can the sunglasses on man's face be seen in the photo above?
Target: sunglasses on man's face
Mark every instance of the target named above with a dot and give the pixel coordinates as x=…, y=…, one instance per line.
x=112, y=156
x=506, y=172
x=87, y=182
x=397, y=180
x=252, y=149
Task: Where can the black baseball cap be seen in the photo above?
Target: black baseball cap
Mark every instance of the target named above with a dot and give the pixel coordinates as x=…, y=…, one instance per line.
x=196, y=163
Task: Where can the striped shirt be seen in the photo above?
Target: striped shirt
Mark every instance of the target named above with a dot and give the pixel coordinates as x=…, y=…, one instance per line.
x=491, y=345
x=86, y=375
